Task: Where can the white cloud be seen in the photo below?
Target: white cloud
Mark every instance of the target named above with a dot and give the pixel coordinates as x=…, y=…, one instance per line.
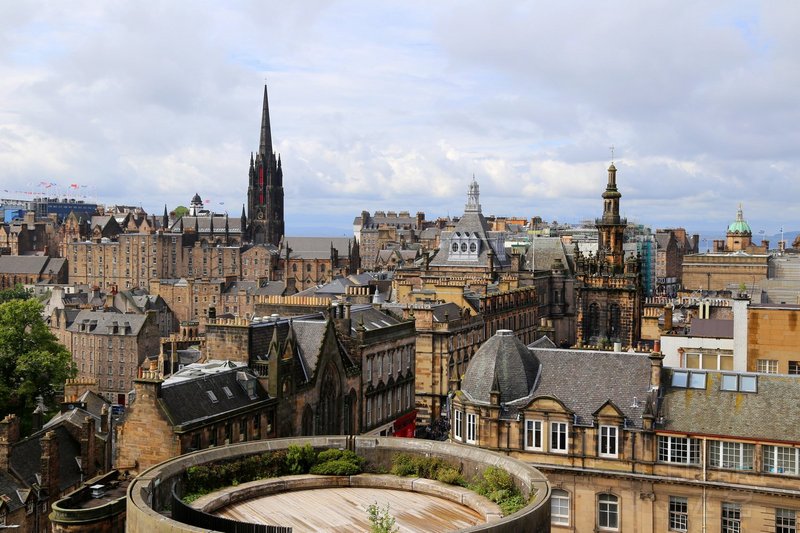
x=395, y=105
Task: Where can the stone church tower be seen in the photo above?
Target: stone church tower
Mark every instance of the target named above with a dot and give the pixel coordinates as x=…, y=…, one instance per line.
x=608, y=288
x=264, y=219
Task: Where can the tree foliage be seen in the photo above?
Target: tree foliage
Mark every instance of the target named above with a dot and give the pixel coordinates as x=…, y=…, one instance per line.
x=180, y=211
x=32, y=362
x=17, y=292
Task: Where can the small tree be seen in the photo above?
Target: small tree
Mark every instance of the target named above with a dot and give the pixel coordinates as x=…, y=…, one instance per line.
x=17, y=292
x=380, y=520
x=32, y=362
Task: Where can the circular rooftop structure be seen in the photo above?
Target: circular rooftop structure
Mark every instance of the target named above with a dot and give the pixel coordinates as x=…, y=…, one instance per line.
x=503, y=364
x=337, y=503
x=739, y=226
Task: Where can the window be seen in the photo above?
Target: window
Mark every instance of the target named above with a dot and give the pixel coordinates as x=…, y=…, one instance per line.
x=472, y=428
x=607, y=512
x=794, y=367
x=212, y=396
x=678, y=513
x=558, y=437
x=533, y=434
x=457, y=425
x=785, y=521
x=780, y=460
x=737, y=382
x=679, y=450
x=730, y=455
x=731, y=518
x=692, y=380
x=559, y=507
x=369, y=368
x=473, y=247
x=455, y=247
x=767, y=366
x=389, y=403
x=369, y=411
x=608, y=441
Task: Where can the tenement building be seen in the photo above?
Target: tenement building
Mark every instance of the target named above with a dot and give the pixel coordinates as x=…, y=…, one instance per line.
x=608, y=287
x=629, y=445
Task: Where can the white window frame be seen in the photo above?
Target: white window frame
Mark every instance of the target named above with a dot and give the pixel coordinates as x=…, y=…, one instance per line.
x=670, y=450
x=785, y=520
x=767, y=366
x=534, y=430
x=559, y=429
x=731, y=455
x=559, y=508
x=773, y=456
x=731, y=518
x=472, y=428
x=678, y=513
x=609, y=440
x=458, y=427
x=608, y=506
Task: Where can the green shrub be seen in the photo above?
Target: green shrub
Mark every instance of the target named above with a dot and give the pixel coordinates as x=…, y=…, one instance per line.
x=300, y=459
x=403, y=465
x=498, y=486
x=337, y=467
x=450, y=475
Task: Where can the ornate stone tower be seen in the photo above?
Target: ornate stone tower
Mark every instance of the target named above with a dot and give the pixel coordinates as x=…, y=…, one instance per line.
x=608, y=288
x=265, y=191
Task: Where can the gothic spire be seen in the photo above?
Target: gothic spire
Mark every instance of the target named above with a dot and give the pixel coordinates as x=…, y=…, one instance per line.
x=265, y=148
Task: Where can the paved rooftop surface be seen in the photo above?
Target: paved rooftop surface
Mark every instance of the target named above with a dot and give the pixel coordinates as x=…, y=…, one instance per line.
x=343, y=510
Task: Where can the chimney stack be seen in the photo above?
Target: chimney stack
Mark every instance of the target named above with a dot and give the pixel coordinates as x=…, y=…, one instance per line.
x=9, y=435
x=656, y=365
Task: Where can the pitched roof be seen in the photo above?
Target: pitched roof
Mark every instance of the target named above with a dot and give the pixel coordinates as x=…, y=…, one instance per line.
x=26, y=457
x=23, y=264
x=11, y=488
x=105, y=323
x=762, y=415
x=546, y=250
x=209, y=395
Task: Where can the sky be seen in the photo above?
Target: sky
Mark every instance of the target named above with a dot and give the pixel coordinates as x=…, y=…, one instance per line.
x=396, y=105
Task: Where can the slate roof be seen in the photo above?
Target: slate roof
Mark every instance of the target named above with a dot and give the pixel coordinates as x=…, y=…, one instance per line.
x=317, y=247
x=503, y=363
x=10, y=487
x=445, y=312
x=585, y=380
x=309, y=335
x=22, y=264
x=26, y=457
x=712, y=328
x=204, y=224
x=370, y=318
x=103, y=322
x=188, y=401
x=545, y=252
x=769, y=414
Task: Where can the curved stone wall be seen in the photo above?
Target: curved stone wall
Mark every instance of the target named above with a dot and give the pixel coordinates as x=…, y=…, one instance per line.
x=151, y=491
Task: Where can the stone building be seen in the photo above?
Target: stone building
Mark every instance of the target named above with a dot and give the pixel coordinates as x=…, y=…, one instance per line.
x=203, y=405
x=37, y=470
x=671, y=246
x=30, y=270
x=381, y=231
x=30, y=236
x=302, y=363
x=313, y=261
x=107, y=346
x=608, y=287
x=628, y=445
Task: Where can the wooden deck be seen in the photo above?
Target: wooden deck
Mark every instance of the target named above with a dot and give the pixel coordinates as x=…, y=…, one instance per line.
x=343, y=510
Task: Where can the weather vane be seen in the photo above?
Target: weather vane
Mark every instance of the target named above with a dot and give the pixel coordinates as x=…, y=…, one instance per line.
x=612, y=152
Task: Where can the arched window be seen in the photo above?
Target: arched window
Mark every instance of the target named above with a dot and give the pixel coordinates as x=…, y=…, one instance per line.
x=559, y=507
x=473, y=247
x=294, y=268
x=607, y=512
x=614, y=319
x=463, y=247
x=593, y=321
x=455, y=247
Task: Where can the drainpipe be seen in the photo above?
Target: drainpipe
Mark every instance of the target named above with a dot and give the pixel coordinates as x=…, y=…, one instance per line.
x=705, y=478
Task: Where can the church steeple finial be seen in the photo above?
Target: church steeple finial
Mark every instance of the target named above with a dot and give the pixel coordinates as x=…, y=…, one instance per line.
x=265, y=147
x=473, y=197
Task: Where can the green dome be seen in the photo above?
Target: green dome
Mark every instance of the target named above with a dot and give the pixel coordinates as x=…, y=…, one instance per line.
x=739, y=226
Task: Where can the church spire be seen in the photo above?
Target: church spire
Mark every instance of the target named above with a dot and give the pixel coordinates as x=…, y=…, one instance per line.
x=265, y=148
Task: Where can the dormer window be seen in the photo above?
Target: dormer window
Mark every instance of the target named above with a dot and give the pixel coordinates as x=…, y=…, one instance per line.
x=455, y=247
x=473, y=247
x=463, y=247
